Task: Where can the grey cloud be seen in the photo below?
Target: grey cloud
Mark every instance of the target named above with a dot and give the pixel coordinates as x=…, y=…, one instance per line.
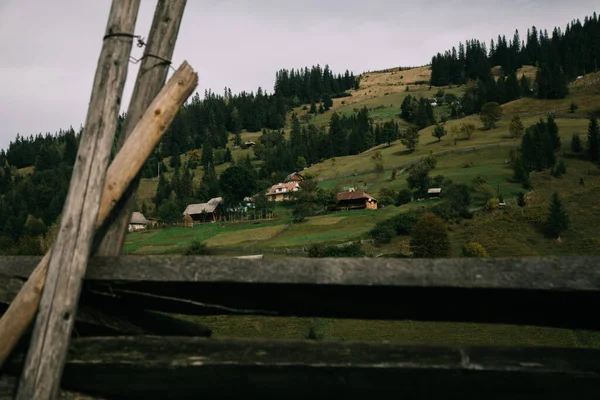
x=50, y=48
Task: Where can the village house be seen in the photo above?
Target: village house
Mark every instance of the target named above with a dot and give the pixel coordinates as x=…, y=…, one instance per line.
x=294, y=177
x=355, y=199
x=283, y=191
x=249, y=144
x=212, y=211
x=434, y=193
x=138, y=222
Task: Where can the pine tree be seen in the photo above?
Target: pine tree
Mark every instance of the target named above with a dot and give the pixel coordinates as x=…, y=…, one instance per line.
x=593, y=138
x=553, y=132
x=337, y=133
x=576, y=143
x=558, y=221
x=313, y=108
x=207, y=152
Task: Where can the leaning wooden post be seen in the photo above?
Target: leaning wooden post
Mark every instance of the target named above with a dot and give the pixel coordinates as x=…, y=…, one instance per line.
x=151, y=78
x=66, y=269
x=122, y=171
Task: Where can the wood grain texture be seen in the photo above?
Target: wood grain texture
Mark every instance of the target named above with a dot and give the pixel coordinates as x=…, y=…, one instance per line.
x=70, y=253
x=119, y=176
x=528, y=291
x=535, y=273
x=151, y=78
x=154, y=367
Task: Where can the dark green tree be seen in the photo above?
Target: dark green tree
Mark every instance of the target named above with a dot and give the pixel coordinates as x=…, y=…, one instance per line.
x=410, y=138
x=557, y=221
x=490, y=114
x=593, y=138
x=429, y=238
x=439, y=132
x=237, y=182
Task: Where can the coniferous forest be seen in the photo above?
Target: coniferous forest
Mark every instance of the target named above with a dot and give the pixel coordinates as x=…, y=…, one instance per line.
x=560, y=58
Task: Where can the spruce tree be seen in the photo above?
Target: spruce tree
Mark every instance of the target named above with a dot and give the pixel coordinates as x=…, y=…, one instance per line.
x=558, y=221
x=593, y=138
x=552, y=129
x=576, y=143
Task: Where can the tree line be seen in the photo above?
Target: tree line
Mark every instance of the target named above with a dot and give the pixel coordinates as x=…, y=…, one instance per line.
x=560, y=58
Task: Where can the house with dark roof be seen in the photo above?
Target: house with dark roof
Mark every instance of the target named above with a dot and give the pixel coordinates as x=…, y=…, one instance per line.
x=211, y=211
x=356, y=200
x=294, y=177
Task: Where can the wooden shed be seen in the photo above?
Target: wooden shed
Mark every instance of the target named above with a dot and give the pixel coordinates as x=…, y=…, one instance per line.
x=356, y=199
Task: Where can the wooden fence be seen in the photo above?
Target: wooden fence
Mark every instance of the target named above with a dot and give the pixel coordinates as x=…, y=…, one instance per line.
x=123, y=349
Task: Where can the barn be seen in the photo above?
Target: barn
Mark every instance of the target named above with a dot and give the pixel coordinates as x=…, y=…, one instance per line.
x=212, y=211
x=356, y=199
x=138, y=222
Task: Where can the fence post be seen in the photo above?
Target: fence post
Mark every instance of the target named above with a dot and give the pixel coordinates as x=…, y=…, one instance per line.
x=67, y=264
x=151, y=78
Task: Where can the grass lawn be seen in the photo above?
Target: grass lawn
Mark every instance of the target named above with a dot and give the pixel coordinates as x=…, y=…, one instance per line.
x=403, y=332
x=177, y=239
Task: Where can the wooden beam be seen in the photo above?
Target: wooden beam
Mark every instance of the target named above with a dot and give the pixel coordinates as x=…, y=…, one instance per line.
x=68, y=260
x=8, y=386
x=533, y=273
x=151, y=78
x=121, y=172
x=153, y=367
x=527, y=291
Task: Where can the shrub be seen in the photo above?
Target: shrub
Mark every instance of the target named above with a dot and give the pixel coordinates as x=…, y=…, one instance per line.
x=521, y=199
x=573, y=107
x=386, y=201
x=430, y=237
x=198, y=248
x=492, y=203
x=560, y=169
x=474, y=249
x=383, y=232
x=352, y=250
x=404, y=197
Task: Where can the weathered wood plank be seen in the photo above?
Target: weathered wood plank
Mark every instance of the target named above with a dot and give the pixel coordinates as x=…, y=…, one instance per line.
x=532, y=291
x=70, y=253
x=122, y=171
x=151, y=367
x=102, y=320
x=8, y=385
x=533, y=273
x=151, y=78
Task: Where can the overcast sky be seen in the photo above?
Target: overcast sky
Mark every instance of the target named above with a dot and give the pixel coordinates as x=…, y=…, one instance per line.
x=49, y=49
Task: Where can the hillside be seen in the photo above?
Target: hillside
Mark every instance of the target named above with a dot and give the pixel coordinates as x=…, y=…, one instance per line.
x=484, y=156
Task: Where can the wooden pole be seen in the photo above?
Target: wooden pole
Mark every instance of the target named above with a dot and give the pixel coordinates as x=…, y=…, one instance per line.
x=68, y=259
x=121, y=172
x=151, y=78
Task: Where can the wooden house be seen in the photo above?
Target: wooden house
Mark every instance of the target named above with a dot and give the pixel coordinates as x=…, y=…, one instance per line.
x=212, y=211
x=294, y=177
x=434, y=193
x=138, y=222
x=356, y=199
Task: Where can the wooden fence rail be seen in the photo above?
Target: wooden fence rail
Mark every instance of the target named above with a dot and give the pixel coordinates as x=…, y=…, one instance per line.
x=533, y=291
x=553, y=291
